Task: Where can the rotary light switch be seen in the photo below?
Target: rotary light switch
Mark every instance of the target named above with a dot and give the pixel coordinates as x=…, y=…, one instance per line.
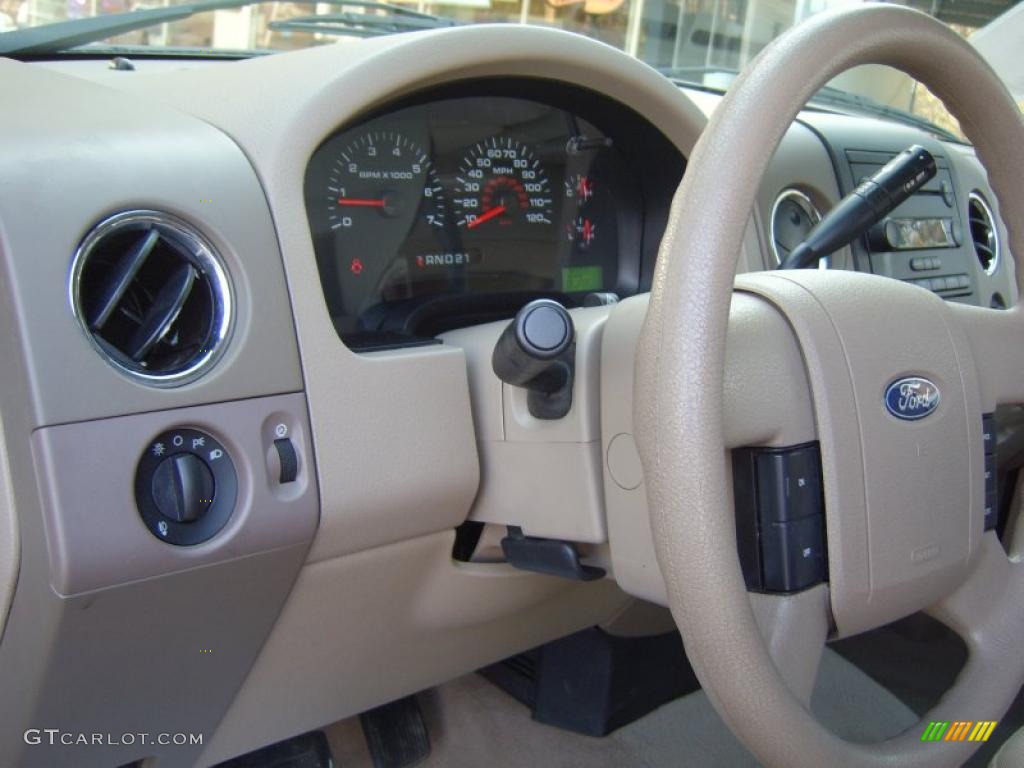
x=183, y=488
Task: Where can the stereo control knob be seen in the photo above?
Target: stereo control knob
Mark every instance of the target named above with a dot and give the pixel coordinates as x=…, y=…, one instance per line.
x=183, y=488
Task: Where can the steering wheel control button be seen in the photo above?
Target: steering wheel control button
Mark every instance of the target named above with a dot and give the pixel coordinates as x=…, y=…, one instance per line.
x=288, y=460
x=789, y=484
x=988, y=430
x=185, y=486
x=780, y=523
x=793, y=555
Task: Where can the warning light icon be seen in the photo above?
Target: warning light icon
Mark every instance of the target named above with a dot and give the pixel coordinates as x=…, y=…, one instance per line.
x=421, y=262
x=356, y=267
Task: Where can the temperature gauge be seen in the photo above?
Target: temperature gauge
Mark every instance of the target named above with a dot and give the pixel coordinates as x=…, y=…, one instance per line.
x=581, y=231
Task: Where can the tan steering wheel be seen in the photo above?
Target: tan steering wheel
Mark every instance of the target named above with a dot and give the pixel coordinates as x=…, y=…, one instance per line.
x=904, y=500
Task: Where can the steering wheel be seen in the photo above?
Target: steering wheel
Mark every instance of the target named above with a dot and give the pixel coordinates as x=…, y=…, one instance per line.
x=904, y=499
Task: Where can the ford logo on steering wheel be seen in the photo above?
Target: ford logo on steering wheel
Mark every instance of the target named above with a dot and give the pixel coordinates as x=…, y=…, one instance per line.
x=911, y=398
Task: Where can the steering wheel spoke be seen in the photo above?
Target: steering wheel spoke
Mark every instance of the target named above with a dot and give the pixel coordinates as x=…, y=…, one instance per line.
x=978, y=612
x=767, y=396
x=794, y=629
x=977, y=609
x=995, y=340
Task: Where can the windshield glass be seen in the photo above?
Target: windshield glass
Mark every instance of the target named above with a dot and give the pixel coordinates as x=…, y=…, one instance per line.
x=703, y=42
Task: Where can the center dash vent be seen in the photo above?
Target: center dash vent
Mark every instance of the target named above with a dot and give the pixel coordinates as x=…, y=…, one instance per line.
x=984, y=234
x=793, y=217
x=152, y=296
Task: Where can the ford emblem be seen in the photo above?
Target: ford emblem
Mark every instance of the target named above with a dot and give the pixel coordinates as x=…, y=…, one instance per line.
x=911, y=398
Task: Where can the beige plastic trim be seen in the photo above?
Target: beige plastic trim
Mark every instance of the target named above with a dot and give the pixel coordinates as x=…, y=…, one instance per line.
x=374, y=414
x=902, y=501
x=544, y=476
x=366, y=629
x=151, y=157
x=768, y=402
x=95, y=536
x=680, y=409
x=794, y=629
x=394, y=434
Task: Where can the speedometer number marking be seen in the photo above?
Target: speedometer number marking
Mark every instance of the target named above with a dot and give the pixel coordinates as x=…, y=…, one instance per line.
x=500, y=181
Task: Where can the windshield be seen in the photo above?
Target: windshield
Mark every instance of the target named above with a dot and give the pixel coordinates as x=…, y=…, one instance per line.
x=702, y=42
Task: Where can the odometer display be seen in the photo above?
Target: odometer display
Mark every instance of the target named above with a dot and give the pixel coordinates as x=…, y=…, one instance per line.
x=500, y=185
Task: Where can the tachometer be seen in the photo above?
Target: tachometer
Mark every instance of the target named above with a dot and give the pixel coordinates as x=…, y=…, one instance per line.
x=382, y=180
x=501, y=184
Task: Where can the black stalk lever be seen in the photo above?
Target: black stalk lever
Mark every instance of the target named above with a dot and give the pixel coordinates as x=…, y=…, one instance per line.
x=872, y=200
x=536, y=352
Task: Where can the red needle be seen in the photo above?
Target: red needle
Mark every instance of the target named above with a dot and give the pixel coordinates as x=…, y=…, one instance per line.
x=362, y=202
x=486, y=216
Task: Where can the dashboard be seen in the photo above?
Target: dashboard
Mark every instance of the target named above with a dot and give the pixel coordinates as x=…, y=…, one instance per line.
x=459, y=206
x=395, y=195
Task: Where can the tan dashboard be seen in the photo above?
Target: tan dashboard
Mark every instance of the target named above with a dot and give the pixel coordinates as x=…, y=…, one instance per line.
x=330, y=586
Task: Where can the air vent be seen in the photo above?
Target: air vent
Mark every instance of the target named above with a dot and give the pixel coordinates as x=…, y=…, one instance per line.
x=984, y=234
x=152, y=297
x=793, y=216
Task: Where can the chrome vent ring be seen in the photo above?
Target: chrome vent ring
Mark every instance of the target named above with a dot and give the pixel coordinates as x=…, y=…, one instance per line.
x=153, y=297
x=984, y=233
x=793, y=216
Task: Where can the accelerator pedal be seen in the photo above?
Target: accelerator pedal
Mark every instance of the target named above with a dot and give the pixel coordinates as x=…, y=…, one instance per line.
x=396, y=734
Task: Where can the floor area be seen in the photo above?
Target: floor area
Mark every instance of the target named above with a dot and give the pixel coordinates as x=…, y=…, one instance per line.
x=473, y=723
x=918, y=659
x=869, y=688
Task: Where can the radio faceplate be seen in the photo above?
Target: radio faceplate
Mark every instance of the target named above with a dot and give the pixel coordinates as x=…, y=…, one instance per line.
x=922, y=241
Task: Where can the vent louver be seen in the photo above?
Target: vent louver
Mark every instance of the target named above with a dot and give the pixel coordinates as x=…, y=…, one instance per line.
x=984, y=234
x=152, y=296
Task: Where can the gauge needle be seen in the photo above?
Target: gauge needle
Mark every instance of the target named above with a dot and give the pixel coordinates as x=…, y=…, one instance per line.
x=486, y=216
x=362, y=202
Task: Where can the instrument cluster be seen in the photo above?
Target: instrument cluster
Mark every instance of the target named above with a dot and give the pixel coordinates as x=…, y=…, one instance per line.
x=452, y=211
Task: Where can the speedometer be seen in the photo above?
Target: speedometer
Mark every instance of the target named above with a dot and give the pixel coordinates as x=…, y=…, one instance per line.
x=500, y=184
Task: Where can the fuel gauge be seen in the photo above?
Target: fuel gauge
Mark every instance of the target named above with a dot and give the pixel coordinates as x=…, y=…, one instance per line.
x=580, y=188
